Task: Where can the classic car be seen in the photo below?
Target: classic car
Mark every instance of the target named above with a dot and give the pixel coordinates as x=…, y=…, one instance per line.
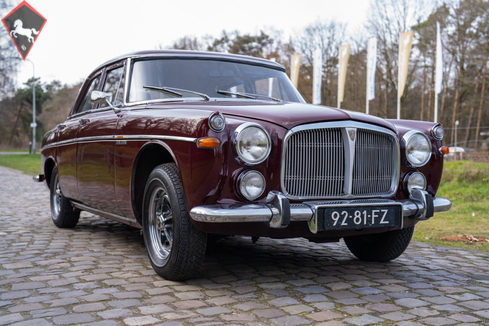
x=190, y=145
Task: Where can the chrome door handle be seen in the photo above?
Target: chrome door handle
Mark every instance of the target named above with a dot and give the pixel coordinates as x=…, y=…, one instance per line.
x=83, y=121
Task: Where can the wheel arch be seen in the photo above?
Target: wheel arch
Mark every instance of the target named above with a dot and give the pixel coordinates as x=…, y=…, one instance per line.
x=150, y=156
x=48, y=170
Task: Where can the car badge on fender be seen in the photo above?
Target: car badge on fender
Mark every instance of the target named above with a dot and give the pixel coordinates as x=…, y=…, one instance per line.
x=24, y=24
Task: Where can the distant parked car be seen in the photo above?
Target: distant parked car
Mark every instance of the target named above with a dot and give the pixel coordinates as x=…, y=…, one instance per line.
x=190, y=144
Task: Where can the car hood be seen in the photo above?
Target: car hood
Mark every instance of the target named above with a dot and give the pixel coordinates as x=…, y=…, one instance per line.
x=286, y=114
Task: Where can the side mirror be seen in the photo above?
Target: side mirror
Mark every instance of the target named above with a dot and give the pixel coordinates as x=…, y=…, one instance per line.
x=102, y=98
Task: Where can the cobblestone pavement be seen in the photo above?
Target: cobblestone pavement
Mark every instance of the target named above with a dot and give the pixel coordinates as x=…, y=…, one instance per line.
x=99, y=274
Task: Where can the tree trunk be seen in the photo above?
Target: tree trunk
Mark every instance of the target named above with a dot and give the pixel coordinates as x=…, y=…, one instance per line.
x=455, y=103
x=481, y=103
x=15, y=125
x=471, y=113
x=430, y=94
x=422, y=92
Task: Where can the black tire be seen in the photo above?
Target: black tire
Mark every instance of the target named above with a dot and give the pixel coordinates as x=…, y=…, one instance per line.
x=63, y=214
x=381, y=247
x=176, y=249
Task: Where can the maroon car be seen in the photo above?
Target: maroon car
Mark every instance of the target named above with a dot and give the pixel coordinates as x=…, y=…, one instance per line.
x=190, y=145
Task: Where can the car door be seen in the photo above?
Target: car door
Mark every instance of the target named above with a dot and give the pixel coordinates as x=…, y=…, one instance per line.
x=96, y=143
x=67, y=135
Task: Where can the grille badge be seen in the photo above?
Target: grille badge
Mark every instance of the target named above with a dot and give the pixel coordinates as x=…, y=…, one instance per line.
x=352, y=133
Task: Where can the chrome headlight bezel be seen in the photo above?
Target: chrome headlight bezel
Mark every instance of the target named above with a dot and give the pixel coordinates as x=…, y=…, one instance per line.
x=437, y=131
x=409, y=181
x=242, y=186
x=409, y=148
x=217, y=122
x=237, y=138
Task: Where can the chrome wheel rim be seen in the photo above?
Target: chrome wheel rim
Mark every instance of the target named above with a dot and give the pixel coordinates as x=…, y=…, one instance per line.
x=56, y=199
x=160, y=226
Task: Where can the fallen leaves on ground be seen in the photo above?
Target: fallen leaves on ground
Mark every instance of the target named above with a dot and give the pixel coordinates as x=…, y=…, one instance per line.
x=465, y=238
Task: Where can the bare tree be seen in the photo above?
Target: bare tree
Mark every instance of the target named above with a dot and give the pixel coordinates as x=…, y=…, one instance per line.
x=9, y=57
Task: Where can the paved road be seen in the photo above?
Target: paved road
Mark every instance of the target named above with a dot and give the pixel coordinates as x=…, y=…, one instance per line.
x=99, y=274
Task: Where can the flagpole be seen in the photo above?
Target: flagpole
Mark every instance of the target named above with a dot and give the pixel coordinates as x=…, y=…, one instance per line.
x=436, y=107
x=439, y=69
x=399, y=79
x=339, y=77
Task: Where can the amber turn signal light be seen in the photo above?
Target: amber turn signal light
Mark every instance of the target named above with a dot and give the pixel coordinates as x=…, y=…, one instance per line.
x=444, y=150
x=208, y=142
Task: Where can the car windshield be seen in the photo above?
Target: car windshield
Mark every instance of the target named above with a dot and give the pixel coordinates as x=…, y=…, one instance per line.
x=214, y=78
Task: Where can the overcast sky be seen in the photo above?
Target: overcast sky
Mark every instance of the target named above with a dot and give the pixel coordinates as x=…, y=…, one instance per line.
x=80, y=35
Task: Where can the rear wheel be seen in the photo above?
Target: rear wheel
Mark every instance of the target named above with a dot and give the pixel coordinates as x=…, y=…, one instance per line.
x=63, y=214
x=381, y=247
x=175, y=247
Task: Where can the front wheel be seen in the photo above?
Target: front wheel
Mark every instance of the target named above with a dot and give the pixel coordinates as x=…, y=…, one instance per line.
x=175, y=247
x=63, y=214
x=381, y=247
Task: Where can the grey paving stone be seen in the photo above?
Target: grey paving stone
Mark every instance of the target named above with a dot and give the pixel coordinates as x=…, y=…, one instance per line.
x=27, y=307
x=72, y=319
x=96, y=306
x=483, y=314
x=411, y=303
x=290, y=321
x=11, y=318
x=213, y=311
x=157, y=309
x=242, y=317
x=48, y=312
x=438, y=321
x=115, y=313
x=464, y=318
x=268, y=313
x=32, y=322
x=397, y=316
x=475, y=305
x=139, y=321
x=27, y=286
x=282, y=302
x=311, y=289
x=448, y=307
x=364, y=320
x=102, y=323
x=125, y=303
x=366, y=290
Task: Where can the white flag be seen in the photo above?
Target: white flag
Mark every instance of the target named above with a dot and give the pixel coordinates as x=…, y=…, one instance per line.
x=405, y=44
x=316, y=77
x=439, y=61
x=344, y=55
x=371, y=65
x=294, y=69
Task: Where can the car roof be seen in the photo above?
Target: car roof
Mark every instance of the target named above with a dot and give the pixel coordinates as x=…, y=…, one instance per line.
x=185, y=54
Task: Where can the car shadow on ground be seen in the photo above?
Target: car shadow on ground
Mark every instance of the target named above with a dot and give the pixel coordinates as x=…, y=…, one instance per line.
x=239, y=259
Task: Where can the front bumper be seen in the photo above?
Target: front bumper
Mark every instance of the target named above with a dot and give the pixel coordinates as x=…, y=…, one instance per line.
x=278, y=212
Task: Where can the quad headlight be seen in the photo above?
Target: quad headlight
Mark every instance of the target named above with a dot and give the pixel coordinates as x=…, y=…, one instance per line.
x=251, y=144
x=251, y=184
x=417, y=147
x=414, y=180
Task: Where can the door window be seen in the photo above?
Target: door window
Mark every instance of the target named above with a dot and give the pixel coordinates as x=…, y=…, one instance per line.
x=114, y=84
x=86, y=104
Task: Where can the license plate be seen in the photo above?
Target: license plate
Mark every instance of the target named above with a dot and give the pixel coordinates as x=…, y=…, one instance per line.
x=360, y=217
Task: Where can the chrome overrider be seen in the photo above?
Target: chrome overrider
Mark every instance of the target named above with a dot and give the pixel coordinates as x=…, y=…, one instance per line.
x=278, y=212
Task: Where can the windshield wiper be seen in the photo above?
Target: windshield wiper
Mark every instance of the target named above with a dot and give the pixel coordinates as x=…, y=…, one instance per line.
x=176, y=91
x=248, y=95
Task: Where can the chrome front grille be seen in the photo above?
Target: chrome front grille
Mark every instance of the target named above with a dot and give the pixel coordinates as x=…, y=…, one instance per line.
x=329, y=160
